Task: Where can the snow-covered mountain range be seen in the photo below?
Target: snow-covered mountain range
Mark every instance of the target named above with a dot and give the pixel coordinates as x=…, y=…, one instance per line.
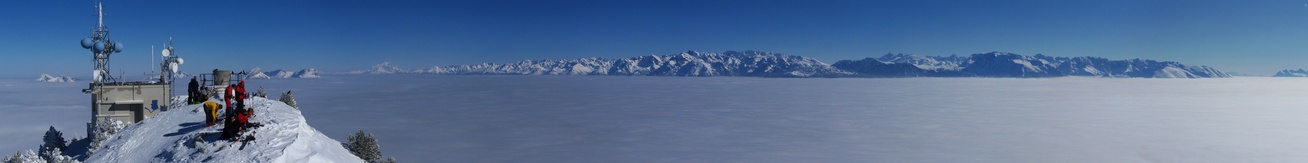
x=257, y=73
x=690, y=63
x=386, y=68
x=1291, y=73
x=55, y=79
x=180, y=75
x=765, y=64
x=998, y=64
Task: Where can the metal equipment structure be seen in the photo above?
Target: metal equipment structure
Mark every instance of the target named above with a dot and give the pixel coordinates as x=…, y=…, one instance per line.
x=124, y=101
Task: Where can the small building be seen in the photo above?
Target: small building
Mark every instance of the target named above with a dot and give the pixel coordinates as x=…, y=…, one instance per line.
x=129, y=102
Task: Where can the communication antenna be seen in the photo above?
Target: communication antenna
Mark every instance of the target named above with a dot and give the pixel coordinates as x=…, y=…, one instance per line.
x=171, y=62
x=101, y=47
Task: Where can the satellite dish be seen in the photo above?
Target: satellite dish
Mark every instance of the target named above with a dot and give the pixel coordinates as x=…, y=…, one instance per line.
x=98, y=47
x=167, y=53
x=173, y=66
x=87, y=43
x=180, y=61
x=97, y=74
x=118, y=47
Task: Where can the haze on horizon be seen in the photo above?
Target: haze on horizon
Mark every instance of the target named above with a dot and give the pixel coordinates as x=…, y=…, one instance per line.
x=1250, y=37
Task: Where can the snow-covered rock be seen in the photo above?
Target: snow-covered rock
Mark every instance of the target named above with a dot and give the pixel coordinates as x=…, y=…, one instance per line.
x=55, y=79
x=175, y=136
x=1291, y=73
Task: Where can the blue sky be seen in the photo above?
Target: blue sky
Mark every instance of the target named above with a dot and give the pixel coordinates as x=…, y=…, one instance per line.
x=1252, y=37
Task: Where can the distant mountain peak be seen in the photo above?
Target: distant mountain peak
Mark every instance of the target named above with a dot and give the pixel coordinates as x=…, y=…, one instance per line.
x=55, y=79
x=1291, y=73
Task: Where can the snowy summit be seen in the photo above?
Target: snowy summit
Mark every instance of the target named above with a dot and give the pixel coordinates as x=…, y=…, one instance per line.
x=53, y=79
x=257, y=74
x=180, y=135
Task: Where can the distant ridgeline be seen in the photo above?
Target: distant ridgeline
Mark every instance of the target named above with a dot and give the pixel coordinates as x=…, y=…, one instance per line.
x=1291, y=73
x=764, y=64
x=997, y=64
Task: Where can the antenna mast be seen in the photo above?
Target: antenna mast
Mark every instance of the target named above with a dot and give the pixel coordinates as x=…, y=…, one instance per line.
x=170, y=64
x=101, y=47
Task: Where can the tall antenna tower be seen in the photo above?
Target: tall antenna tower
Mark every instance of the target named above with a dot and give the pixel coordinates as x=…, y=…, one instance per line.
x=101, y=47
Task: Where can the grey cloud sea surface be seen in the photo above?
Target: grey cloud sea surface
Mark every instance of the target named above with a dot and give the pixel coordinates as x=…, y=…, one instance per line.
x=731, y=119
x=517, y=118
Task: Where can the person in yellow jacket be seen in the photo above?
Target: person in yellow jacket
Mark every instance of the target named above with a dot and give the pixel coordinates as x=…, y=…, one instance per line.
x=211, y=113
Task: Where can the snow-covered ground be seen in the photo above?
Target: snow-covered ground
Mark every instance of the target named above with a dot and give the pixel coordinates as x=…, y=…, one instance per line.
x=496, y=118
x=180, y=135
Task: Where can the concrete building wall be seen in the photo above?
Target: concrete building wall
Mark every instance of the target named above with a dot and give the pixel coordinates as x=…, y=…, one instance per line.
x=129, y=102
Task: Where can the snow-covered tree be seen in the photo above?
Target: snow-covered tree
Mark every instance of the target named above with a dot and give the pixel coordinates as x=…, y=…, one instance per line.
x=57, y=158
x=365, y=146
x=289, y=99
x=261, y=93
x=104, y=129
x=24, y=157
x=54, y=144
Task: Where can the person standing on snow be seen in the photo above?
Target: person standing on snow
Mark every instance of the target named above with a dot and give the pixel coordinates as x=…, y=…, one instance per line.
x=193, y=92
x=227, y=97
x=240, y=94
